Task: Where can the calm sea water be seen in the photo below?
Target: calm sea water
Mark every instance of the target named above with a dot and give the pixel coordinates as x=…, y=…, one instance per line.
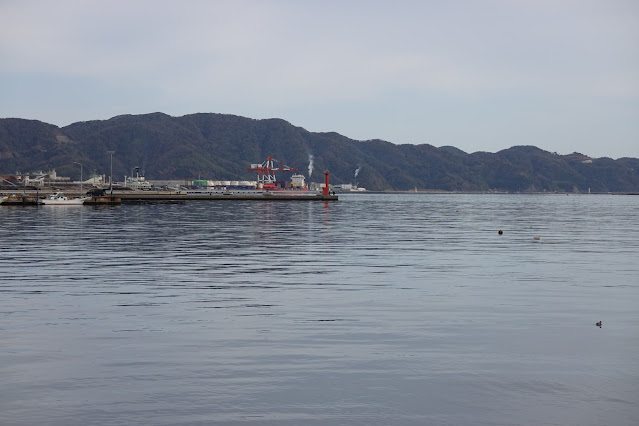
x=377, y=309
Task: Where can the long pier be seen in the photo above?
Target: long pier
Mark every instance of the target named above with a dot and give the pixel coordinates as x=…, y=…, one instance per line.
x=150, y=196
x=32, y=198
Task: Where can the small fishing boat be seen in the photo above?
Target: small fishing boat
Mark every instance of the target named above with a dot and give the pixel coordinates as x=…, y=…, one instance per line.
x=59, y=199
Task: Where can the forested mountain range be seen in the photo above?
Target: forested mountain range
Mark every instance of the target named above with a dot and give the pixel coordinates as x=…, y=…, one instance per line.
x=221, y=147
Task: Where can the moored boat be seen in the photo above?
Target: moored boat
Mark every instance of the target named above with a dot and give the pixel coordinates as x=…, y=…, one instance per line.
x=59, y=199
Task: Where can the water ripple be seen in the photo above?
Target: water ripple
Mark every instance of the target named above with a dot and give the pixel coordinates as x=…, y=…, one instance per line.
x=377, y=309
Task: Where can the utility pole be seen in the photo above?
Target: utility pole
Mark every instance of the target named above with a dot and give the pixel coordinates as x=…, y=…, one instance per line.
x=81, y=193
x=111, y=175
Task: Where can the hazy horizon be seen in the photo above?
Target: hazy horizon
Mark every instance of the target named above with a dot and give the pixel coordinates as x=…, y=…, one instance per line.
x=479, y=76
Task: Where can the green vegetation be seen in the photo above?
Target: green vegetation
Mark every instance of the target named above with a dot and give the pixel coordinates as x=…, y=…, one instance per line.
x=218, y=146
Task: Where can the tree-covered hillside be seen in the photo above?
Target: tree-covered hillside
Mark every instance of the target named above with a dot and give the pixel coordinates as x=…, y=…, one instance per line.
x=218, y=146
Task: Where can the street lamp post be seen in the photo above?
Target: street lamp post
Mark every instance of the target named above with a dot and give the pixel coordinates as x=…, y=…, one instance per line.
x=81, y=193
x=111, y=175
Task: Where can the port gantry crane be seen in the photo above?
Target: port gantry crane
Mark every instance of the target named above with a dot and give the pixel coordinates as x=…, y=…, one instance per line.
x=266, y=172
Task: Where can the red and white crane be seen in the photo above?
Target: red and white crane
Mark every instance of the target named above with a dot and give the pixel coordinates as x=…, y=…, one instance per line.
x=266, y=172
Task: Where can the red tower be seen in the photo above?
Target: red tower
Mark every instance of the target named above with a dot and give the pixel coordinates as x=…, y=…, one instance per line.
x=325, y=192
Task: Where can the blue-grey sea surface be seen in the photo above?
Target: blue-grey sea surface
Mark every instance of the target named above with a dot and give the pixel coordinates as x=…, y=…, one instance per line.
x=378, y=309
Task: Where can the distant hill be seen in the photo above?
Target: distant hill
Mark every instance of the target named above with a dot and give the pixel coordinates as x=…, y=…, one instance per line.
x=219, y=146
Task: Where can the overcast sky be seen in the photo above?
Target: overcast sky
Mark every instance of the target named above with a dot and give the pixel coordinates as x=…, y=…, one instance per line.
x=562, y=75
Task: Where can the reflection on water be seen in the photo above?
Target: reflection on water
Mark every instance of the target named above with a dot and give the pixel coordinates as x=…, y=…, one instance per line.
x=377, y=309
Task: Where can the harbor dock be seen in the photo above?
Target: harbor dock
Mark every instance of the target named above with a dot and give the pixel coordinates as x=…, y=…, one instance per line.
x=31, y=198
x=134, y=197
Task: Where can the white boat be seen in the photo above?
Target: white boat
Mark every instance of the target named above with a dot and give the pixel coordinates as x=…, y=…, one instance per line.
x=138, y=182
x=59, y=199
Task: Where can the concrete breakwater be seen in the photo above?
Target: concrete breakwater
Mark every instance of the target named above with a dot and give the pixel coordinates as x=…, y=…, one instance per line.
x=33, y=198
x=150, y=196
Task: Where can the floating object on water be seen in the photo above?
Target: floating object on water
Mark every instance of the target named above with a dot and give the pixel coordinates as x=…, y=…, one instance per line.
x=59, y=199
x=598, y=324
x=537, y=239
x=500, y=232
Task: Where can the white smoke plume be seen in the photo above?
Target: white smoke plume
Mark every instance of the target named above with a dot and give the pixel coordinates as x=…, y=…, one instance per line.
x=310, y=165
x=357, y=170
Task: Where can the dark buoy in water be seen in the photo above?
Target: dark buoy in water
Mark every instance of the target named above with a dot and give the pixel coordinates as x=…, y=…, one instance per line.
x=598, y=324
x=500, y=232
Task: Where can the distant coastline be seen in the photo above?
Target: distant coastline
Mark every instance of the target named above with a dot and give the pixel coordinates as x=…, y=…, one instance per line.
x=221, y=146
